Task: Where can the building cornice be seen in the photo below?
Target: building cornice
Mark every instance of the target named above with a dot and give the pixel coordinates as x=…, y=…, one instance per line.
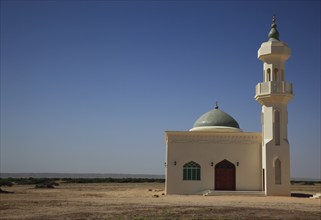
x=212, y=137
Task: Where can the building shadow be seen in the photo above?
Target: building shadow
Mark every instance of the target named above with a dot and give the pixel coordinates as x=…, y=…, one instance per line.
x=301, y=195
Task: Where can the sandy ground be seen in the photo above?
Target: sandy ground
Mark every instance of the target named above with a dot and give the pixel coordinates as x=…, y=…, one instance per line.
x=138, y=201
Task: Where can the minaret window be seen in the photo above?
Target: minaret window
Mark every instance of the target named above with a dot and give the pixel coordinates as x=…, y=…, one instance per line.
x=275, y=74
x=268, y=75
x=262, y=121
x=277, y=168
x=277, y=127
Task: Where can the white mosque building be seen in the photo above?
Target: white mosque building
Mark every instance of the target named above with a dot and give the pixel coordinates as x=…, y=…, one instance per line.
x=216, y=155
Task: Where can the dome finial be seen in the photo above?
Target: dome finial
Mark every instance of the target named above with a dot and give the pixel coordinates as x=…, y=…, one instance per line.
x=274, y=34
x=216, y=105
x=273, y=18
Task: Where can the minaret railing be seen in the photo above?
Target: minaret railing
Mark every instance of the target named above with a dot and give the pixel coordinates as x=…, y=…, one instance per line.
x=274, y=87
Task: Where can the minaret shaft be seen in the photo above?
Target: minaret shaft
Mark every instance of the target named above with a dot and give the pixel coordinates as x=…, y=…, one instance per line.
x=274, y=94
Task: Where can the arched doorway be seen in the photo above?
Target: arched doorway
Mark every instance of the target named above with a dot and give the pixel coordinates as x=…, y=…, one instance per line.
x=224, y=175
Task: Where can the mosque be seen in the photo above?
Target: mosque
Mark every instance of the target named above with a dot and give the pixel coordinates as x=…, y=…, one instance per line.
x=217, y=156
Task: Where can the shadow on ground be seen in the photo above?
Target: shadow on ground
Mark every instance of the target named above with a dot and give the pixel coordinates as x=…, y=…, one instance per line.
x=301, y=195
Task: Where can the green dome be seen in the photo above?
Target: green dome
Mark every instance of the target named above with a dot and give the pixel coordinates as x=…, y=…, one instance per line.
x=216, y=117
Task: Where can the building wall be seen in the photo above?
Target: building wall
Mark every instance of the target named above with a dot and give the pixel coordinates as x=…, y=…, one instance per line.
x=207, y=147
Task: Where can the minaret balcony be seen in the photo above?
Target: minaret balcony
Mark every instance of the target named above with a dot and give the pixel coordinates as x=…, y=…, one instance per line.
x=274, y=91
x=274, y=87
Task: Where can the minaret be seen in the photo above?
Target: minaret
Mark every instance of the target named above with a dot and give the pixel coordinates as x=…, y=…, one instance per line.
x=274, y=94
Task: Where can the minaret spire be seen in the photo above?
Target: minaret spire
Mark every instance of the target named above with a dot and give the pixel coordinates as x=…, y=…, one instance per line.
x=274, y=34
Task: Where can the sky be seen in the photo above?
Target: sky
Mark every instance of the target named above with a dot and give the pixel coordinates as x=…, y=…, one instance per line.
x=91, y=86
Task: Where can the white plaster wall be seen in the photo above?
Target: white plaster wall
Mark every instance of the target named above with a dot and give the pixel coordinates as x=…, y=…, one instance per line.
x=271, y=152
x=206, y=147
x=278, y=152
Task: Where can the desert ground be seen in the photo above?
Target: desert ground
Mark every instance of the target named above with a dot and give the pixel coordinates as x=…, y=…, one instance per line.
x=146, y=201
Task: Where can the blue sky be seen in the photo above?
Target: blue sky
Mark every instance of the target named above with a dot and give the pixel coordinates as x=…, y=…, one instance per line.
x=91, y=86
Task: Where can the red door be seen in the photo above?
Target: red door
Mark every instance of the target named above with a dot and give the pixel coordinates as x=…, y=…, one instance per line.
x=225, y=175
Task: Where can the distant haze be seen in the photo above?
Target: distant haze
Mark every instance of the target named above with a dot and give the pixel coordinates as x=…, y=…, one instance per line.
x=79, y=175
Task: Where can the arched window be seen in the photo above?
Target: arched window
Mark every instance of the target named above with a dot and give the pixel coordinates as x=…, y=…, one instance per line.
x=277, y=127
x=277, y=169
x=275, y=74
x=268, y=75
x=262, y=121
x=191, y=171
